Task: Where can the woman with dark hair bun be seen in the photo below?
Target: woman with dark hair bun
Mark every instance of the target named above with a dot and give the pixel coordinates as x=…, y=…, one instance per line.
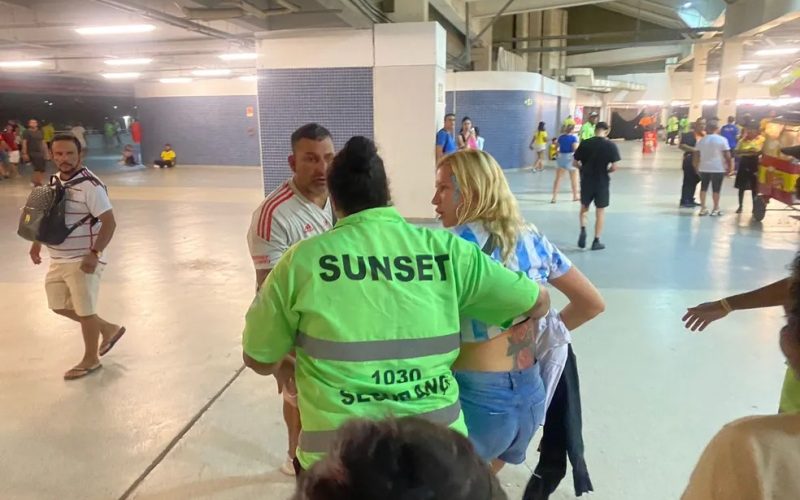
x=373, y=309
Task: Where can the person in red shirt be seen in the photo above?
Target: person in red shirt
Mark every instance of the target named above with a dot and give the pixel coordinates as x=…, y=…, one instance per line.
x=136, y=135
x=9, y=135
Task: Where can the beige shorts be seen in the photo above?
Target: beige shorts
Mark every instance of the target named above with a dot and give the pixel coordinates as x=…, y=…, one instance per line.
x=70, y=288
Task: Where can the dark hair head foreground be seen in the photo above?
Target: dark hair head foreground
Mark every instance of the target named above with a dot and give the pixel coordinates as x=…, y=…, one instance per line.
x=400, y=459
x=357, y=179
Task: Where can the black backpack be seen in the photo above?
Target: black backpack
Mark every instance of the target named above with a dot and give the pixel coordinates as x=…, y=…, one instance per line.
x=43, y=216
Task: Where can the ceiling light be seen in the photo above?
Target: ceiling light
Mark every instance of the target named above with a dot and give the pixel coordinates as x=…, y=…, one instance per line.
x=20, y=64
x=248, y=78
x=122, y=29
x=778, y=51
x=128, y=62
x=769, y=82
x=687, y=5
x=120, y=76
x=712, y=78
x=239, y=56
x=211, y=72
x=748, y=66
x=742, y=73
x=176, y=80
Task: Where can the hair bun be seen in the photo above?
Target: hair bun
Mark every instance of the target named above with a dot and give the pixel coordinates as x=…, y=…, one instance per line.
x=359, y=154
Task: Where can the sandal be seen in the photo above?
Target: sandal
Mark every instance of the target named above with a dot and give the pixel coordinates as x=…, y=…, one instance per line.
x=105, y=347
x=77, y=372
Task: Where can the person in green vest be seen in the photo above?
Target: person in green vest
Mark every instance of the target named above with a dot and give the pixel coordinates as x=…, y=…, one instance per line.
x=587, y=129
x=683, y=124
x=373, y=310
x=673, y=127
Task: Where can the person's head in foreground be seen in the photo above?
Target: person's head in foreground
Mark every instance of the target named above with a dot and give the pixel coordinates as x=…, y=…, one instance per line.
x=399, y=459
x=712, y=127
x=471, y=186
x=357, y=179
x=66, y=151
x=601, y=129
x=700, y=126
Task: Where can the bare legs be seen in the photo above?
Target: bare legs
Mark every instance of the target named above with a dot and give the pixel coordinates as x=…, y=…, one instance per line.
x=93, y=328
x=539, y=165
x=291, y=415
x=573, y=178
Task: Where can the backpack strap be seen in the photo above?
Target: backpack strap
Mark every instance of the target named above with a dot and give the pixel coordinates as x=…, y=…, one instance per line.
x=490, y=246
x=88, y=217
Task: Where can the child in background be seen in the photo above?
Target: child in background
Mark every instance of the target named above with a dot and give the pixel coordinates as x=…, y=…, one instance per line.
x=554, y=148
x=167, y=159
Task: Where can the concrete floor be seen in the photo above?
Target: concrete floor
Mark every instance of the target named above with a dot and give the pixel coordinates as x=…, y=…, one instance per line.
x=180, y=279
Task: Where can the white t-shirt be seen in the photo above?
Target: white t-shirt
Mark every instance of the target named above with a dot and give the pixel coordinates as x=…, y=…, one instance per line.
x=80, y=134
x=88, y=197
x=711, y=148
x=284, y=218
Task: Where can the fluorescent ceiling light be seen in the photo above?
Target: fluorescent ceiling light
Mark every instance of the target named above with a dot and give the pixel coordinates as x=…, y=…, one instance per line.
x=122, y=29
x=248, y=78
x=778, y=51
x=176, y=80
x=120, y=76
x=20, y=64
x=128, y=62
x=748, y=66
x=239, y=56
x=650, y=102
x=211, y=72
x=687, y=5
x=769, y=82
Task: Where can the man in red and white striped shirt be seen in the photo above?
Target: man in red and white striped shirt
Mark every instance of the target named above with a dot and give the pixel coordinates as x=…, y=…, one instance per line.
x=297, y=210
x=76, y=265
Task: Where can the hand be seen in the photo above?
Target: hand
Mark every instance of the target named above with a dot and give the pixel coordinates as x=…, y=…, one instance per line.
x=89, y=263
x=612, y=169
x=699, y=317
x=26, y=158
x=284, y=375
x=35, y=253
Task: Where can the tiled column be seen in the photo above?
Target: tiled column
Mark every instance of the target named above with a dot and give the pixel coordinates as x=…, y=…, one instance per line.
x=312, y=76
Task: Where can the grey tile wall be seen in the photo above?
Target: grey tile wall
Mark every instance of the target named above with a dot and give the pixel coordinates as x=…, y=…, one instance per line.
x=209, y=130
x=340, y=99
x=507, y=120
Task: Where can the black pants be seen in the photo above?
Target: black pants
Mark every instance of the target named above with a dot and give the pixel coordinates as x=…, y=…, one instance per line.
x=690, y=181
x=671, y=136
x=164, y=163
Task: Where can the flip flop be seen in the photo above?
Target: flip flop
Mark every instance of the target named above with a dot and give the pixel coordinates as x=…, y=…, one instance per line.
x=76, y=372
x=104, y=348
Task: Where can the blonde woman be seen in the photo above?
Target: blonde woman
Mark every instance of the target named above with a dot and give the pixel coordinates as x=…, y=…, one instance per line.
x=502, y=394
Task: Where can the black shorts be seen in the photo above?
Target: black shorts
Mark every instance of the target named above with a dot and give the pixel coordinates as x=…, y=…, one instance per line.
x=713, y=178
x=38, y=162
x=595, y=192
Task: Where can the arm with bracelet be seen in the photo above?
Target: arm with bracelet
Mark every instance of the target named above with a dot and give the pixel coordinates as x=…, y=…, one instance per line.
x=699, y=317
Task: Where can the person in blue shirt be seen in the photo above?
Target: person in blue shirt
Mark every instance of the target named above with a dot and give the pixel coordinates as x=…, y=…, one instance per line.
x=567, y=144
x=731, y=132
x=445, y=140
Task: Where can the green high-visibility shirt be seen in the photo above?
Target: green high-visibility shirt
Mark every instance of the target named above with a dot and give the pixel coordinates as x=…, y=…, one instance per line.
x=372, y=309
x=587, y=131
x=672, y=124
x=684, y=125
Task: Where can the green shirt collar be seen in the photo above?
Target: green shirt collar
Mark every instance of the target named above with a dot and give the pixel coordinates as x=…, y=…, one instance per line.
x=382, y=214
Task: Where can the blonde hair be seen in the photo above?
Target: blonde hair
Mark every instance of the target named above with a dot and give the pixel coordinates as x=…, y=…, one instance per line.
x=486, y=197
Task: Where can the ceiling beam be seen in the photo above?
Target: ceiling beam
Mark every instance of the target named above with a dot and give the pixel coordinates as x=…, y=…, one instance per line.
x=643, y=14
x=489, y=8
x=618, y=57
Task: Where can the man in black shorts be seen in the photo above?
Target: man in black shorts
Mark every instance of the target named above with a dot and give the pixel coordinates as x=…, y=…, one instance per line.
x=35, y=152
x=596, y=158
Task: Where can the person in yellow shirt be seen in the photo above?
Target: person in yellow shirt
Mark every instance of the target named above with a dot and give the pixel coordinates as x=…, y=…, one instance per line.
x=764, y=121
x=748, y=150
x=48, y=132
x=539, y=144
x=167, y=159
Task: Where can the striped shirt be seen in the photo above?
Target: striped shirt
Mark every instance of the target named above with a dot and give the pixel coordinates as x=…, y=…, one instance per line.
x=86, y=198
x=535, y=256
x=281, y=220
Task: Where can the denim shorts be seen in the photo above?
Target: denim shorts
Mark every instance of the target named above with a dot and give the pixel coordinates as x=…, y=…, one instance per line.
x=502, y=410
x=564, y=160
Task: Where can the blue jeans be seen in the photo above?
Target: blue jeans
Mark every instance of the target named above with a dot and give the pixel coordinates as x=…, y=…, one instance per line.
x=502, y=410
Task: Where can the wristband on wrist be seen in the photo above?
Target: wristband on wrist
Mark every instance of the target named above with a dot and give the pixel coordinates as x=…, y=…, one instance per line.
x=726, y=305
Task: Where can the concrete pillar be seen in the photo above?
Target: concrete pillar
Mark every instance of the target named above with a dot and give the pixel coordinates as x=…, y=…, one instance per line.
x=406, y=11
x=729, y=78
x=535, y=29
x=410, y=77
x=698, y=80
x=522, y=24
x=552, y=25
x=482, y=57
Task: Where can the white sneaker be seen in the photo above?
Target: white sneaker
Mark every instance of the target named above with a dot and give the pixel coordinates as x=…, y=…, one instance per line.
x=716, y=213
x=288, y=466
x=703, y=211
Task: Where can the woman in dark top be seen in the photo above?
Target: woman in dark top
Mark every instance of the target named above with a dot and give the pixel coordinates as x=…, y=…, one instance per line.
x=749, y=152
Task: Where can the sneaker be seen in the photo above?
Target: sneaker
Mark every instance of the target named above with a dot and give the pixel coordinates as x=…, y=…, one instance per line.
x=686, y=205
x=739, y=210
x=703, y=211
x=582, y=238
x=596, y=245
x=288, y=466
x=696, y=204
x=716, y=213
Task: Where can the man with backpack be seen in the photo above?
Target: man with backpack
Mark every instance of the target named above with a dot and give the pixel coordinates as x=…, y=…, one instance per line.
x=77, y=261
